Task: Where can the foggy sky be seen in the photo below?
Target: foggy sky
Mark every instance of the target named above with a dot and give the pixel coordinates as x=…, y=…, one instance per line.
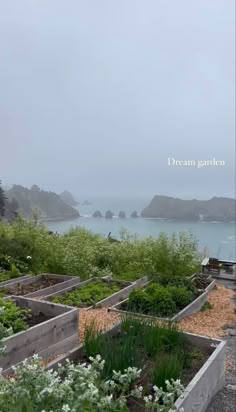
x=96, y=95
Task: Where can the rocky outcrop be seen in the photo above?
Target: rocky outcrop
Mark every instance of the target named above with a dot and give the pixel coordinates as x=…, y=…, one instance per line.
x=68, y=198
x=216, y=209
x=109, y=214
x=97, y=213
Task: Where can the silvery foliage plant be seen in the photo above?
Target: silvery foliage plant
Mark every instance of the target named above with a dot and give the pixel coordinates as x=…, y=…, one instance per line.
x=79, y=388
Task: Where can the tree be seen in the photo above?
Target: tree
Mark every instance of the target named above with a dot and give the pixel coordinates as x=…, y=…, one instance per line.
x=134, y=214
x=11, y=209
x=2, y=201
x=122, y=214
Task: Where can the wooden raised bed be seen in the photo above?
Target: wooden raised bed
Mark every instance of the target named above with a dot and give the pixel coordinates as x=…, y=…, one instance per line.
x=126, y=288
x=208, y=380
x=38, y=285
x=12, y=280
x=192, y=308
x=49, y=326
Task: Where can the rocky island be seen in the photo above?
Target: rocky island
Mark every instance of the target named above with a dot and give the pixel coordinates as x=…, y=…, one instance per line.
x=221, y=209
x=50, y=205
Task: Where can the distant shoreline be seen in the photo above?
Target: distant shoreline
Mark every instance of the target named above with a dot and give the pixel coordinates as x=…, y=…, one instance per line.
x=65, y=219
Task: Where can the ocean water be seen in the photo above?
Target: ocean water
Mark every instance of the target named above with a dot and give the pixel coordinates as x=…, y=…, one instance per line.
x=218, y=237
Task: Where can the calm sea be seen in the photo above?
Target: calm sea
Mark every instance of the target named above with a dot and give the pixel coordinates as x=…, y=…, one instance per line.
x=219, y=238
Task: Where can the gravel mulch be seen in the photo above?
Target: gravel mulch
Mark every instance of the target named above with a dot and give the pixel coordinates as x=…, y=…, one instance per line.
x=219, y=322
x=104, y=319
x=211, y=322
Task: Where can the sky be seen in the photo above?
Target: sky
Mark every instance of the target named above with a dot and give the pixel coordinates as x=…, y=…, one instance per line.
x=96, y=95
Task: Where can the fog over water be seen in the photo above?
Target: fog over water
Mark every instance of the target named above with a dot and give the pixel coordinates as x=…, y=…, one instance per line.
x=97, y=95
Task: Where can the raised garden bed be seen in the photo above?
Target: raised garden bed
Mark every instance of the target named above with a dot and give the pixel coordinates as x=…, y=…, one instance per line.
x=162, y=353
x=39, y=285
x=8, y=277
x=95, y=292
x=47, y=325
x=170, y=301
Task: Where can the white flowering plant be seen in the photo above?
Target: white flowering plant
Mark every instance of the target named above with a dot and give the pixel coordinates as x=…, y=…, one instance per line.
x=80, y=388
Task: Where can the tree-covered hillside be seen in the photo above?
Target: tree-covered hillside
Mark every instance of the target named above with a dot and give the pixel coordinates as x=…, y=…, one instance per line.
x=50, y=204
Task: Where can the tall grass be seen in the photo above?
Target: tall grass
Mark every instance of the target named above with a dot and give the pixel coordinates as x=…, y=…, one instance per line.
x=137, y=343
x=167, y=366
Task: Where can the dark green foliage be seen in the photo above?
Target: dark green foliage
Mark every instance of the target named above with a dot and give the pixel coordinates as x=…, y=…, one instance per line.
x=164, y=296
x=180, y=281
x=87, y=295
x=12, y=316
x=181, y=296
x=153, y=300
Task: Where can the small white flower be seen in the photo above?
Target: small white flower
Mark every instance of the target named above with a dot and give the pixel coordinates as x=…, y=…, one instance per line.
x=65, y=408
x=28, y=257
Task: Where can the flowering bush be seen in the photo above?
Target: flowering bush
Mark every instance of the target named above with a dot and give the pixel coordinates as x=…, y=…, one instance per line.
x=80, y=388
x=81, y=252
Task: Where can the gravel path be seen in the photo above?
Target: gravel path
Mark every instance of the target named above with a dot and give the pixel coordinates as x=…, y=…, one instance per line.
x=219, y=322
x=102, y=318
x=225, y=400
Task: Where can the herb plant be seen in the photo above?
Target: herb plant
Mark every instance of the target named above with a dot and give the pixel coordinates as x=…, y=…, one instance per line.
x=87, y=295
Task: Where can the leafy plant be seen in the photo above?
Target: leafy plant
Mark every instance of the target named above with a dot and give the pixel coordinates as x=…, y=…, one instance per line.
x=152, y=300
x=207, y=306
x=181, y=296
x=87, y=295
x=12, y=316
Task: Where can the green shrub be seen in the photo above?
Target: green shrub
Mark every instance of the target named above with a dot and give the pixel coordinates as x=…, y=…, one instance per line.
x=179, y=281
x=153, y=300
x=181, y=296
x=83, y=253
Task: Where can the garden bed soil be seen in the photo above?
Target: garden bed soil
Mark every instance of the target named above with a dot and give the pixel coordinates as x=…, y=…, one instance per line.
x=37, y=319
x=21, y=290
